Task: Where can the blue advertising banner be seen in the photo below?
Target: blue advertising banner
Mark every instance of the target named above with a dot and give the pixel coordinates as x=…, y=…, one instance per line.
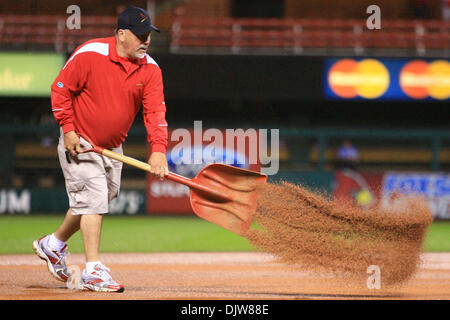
x=390, y=79
x=434, y=187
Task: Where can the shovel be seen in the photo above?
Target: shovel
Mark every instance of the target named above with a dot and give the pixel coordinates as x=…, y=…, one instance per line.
x=219, y=193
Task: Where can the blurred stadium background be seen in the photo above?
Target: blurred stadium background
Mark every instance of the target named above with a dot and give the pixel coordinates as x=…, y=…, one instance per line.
x=311, y=68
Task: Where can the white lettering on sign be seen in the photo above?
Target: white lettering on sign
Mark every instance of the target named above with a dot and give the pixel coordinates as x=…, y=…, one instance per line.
x=12, y=202
x=435, y=188
x=168, y=189
x=127, y=202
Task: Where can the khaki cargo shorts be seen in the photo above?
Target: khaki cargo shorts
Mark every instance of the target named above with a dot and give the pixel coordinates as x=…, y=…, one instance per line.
x=92, y=180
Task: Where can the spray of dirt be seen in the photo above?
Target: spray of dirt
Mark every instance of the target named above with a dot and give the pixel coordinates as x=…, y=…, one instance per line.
x=305, y=228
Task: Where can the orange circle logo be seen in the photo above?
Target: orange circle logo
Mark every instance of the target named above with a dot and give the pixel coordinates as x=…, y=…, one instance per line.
x=420, y=79
x=368, y=78
x=341, y=78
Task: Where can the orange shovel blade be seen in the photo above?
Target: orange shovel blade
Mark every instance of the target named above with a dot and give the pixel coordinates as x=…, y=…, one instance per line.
x=233, y=202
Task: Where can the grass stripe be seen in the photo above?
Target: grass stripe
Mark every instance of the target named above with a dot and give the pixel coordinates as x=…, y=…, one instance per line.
x=155, y=234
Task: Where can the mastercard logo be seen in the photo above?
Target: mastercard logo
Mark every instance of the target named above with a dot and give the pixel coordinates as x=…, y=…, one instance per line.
x=420, y=79
x=368, y=78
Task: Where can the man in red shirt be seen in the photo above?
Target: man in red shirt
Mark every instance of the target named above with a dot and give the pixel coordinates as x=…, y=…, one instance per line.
x=97, y=94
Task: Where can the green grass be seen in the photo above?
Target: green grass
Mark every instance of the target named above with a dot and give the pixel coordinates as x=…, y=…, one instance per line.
x=125, y=234
x=438, y=237
x=156, y=234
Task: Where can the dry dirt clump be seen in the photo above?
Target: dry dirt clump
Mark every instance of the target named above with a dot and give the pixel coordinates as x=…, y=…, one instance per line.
x=305, y=228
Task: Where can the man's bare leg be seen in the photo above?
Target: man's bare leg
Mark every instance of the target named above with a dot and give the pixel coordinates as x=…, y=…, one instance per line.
x=91, y=227
x=68, y=227
x=95, y=276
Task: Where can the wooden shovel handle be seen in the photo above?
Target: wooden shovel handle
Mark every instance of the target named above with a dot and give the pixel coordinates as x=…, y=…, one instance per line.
x=130, y=161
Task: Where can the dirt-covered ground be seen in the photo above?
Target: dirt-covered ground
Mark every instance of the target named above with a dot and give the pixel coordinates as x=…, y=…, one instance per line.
x=215, y=276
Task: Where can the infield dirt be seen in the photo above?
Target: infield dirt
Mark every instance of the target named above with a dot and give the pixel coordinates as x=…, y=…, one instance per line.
x=220, y=275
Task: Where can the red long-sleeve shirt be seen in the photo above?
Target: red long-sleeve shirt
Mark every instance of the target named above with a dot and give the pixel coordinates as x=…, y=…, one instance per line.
x=98, y=94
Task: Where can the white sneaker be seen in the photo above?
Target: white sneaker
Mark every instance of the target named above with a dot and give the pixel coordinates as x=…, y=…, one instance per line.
x=56, y=260
x=99, y=280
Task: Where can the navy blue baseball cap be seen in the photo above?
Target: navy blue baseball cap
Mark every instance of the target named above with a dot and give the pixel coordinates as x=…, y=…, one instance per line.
x=137, y=20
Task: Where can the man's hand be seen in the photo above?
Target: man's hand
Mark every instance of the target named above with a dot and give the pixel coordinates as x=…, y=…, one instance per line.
x=158, y=165
x=72, y=143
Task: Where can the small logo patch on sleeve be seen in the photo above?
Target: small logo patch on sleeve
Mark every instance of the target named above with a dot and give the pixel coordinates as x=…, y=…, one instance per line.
x=60, y=84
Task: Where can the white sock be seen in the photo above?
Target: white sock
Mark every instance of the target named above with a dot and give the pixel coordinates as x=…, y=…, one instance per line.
x=90, y=266
x=55, y=244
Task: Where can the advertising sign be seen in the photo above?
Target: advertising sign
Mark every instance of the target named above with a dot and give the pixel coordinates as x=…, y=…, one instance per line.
x=28, y=74
x=390, y=79
x=361, y=188
x=15, y=201
x=50, y=201
x=367, y=189
x=434, y=187
x=188, y=152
